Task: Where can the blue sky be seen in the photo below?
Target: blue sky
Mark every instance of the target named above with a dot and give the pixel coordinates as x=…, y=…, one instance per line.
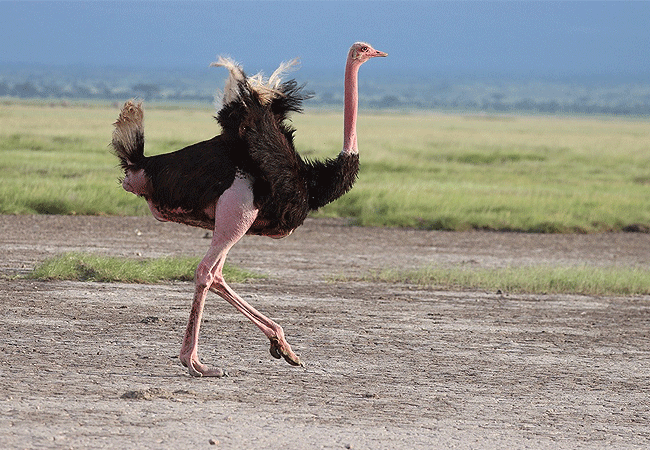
x=433, y=38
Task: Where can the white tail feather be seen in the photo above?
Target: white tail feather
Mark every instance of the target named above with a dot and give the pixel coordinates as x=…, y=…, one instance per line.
x=230, y=91
x=285, y=67
x=267, y=89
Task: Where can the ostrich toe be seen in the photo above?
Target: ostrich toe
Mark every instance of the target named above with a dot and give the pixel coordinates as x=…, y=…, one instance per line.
x=283, y=350
x=197, y=369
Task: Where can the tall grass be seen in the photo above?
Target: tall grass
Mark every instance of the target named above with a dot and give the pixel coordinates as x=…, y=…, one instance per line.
x=56, y=160
x=535, y=174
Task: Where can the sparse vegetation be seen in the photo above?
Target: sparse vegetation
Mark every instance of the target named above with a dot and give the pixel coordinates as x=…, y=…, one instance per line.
x=88, y=267
x=586, y=280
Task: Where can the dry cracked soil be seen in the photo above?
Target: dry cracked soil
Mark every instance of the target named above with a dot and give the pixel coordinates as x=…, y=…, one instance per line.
x=388, y=366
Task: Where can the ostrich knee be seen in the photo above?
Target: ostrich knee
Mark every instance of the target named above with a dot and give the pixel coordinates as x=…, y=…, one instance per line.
x=204, y=276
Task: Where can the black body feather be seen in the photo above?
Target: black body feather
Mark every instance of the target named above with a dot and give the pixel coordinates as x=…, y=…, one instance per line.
x=256, y=141
x=194, y=176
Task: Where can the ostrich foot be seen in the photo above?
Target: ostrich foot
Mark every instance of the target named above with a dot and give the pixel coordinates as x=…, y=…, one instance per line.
x=283, y=350
x=197, y=369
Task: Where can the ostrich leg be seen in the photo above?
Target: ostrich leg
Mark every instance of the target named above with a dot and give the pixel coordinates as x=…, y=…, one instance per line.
x=280, y=348
x=234, y=214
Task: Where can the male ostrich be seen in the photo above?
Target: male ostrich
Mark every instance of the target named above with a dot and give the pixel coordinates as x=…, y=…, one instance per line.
x=247, y=180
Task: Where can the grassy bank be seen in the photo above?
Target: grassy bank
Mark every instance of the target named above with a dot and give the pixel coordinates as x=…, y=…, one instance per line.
x=534, y=174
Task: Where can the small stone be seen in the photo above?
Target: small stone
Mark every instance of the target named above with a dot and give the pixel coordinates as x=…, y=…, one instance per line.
x=136, y=395
x=151, y=319
x=147, y=394
x=214, y=442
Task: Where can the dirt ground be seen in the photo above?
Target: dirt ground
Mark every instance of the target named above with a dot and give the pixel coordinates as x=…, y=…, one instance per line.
x=93, y=365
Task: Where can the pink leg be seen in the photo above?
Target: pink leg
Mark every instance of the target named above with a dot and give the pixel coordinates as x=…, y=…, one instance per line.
x=280, y=348
x=234, y=214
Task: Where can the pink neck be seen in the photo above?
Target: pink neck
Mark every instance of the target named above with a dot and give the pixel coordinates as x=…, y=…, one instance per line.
x=351, y=104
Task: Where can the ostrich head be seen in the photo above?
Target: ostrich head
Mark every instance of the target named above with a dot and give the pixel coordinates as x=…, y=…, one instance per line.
x=362, y=52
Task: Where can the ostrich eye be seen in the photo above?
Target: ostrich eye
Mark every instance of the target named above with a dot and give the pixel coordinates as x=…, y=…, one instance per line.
x=364, y=48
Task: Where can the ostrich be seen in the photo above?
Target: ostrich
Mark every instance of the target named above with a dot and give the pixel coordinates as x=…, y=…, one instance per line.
x=247, y=180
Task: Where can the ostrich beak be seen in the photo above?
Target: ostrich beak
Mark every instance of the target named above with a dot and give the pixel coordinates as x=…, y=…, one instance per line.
x=379, y=54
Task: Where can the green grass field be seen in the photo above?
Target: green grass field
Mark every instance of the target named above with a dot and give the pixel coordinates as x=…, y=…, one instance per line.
x=450, y=172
